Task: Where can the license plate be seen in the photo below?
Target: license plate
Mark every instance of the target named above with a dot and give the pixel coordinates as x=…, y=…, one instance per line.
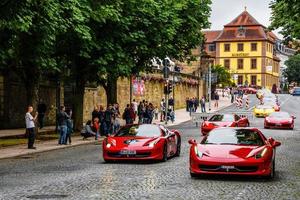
x=227, y=167
x=127, y=152
x=278, y=124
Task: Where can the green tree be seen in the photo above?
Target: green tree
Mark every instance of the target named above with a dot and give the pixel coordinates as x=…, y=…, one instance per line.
x=293, y=68
x=223, y=75
x=28, y=32
x=285, y=15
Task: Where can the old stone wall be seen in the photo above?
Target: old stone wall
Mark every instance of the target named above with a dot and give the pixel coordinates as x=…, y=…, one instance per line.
x=153, y=93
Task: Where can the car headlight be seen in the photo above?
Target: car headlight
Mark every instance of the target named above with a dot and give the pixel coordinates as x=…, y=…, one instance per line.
x=197, y=152
x=108, y=145
x=261, y=153
x=290, y=121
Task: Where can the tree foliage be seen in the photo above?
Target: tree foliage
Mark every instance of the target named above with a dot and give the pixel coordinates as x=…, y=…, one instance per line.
x=223, y=75
x=293, y=69
x=285, y=15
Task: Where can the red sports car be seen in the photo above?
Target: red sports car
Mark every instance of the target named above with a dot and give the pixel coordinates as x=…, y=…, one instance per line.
x=279, y=120
x=142, y=142
x=223, y=120
x=234, y=151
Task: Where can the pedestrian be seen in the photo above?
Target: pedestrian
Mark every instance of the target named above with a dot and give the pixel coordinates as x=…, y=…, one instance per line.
x=232, y=95
x=95, y=112
x=202, y=103
x=129, y=114
x=69, y=127
x=171, y=103
x=108, y=117
x=187, y=100
x=156, y=113
x=41, y=108
x=135, y=106
x=162, y=110
x=216, y=99
x=96, y=127
x=196, y=104
x=141, y=111
x=30, y=126
x=101, y=120
x=87, y=130
x=62, y=118
x=191, y=106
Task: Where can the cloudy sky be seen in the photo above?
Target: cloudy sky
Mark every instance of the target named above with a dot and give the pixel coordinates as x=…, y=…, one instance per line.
x=224, y=11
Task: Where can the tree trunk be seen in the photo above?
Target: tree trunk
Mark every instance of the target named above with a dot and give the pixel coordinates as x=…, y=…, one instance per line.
x=111, y=90
x=32, y=93
x=78, y=105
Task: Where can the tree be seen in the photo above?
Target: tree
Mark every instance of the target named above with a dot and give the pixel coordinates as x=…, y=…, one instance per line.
x=293, y=68
x=145, y=29
x=285, y=15
x=28, y=32
x=223, y=75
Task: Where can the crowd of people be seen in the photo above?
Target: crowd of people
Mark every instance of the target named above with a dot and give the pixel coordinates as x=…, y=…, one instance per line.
x=192, y=104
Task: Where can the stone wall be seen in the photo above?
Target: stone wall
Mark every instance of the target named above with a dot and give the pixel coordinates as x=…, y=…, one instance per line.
x=153, y=93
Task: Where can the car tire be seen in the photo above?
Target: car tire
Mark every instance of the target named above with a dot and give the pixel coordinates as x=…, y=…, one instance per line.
x=272, y=174
x=165, y=153
x=178, y=147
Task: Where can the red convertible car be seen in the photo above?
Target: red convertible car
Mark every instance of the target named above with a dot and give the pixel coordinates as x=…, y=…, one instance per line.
x=142, y=142
x=279, y=120
x=234, y=151
x=223, y=120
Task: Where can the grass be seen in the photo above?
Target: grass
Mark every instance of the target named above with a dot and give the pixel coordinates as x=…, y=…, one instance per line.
x=11, y=141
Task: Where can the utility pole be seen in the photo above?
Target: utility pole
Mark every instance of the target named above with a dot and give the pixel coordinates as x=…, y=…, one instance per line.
x=166, y=72
x=209, y=86
x=166, y=103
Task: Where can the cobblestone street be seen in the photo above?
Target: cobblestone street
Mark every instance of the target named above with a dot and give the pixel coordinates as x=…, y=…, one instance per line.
x=80, y=173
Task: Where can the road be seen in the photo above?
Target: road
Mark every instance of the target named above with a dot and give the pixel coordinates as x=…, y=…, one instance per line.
x=80, y=173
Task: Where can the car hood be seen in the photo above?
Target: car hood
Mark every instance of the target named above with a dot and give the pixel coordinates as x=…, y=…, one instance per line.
x=122, y=142
x=229, y=151
x=277, y=120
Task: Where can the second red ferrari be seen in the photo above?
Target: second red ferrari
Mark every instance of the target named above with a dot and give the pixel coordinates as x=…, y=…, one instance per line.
x=234, y=151
x=223, y=120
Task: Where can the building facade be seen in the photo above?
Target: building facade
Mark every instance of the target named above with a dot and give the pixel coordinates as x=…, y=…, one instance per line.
x=247, y=50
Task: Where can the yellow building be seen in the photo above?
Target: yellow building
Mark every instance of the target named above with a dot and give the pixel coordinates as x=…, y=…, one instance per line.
x=246, y=48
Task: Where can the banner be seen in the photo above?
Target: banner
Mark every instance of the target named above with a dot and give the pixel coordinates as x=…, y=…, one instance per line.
x=138, y=86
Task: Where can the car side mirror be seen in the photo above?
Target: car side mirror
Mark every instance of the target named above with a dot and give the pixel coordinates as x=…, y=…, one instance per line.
x=192, y=141
x=276, y=144
x=293, y=117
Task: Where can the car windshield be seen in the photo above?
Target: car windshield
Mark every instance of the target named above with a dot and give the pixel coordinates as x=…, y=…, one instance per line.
x=222, y=118
x=264, y=107
x=144, y=130
x=282, y=115
x=234, y=137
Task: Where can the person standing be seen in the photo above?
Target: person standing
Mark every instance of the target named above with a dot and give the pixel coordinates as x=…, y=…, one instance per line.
x=108, y=118
x=202, y=103
x=171, y=103
x=69, y=126
x=95, y=112
x=196, y=104
x=62, y=118
x=135, y=106
x=41, y=108
x=162, y=110
x=191, y=106
x=30, y=126
x=216, y=99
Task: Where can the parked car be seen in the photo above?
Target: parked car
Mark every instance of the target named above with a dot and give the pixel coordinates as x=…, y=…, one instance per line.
x=233, y=151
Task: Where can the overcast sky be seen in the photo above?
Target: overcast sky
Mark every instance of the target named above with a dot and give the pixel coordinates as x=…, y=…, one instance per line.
x=224, y=11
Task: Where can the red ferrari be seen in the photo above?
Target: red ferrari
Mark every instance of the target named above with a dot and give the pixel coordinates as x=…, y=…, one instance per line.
x=142, y=142
x=223, y=120
x=279, y=120
x=234, y=151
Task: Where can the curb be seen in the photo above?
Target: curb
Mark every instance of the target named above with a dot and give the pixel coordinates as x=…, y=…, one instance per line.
x=46, y=150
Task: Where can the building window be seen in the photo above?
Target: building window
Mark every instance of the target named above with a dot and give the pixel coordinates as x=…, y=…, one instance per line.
x=227, y=63
x=253, y=80
x=240, y=80
x=240, y=47
x=226, y=47
x=253, y=46
x=253, y=63
x=1, y=96
x=212, y=47
x=240, y=63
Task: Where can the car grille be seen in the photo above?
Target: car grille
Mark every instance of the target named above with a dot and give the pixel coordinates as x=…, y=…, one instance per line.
x=137, y=155
x=281, y=125
x=218, y=168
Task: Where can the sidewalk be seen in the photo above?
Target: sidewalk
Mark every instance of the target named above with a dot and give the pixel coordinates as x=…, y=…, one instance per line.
x=21, y=131
x=20, y=150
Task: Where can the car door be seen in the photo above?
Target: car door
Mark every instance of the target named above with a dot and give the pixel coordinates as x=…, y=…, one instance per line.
x=171, y=140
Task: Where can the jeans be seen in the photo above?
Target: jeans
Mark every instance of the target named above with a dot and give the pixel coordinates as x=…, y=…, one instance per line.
x=203, y=108
x=63, y=135
x=129, y=121
x=31, y=137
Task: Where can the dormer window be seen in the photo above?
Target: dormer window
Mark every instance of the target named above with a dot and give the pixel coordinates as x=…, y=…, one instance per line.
x=241, y=31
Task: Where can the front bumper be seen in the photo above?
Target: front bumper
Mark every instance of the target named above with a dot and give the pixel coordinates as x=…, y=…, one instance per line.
x=279, y=125
x=251, y=167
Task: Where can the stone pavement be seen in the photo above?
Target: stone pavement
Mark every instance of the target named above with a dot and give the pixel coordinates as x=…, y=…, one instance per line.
x=21, y=131
x=21, y=150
